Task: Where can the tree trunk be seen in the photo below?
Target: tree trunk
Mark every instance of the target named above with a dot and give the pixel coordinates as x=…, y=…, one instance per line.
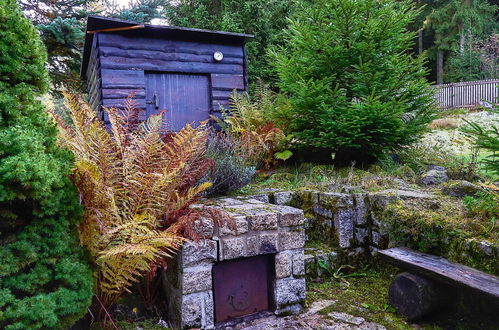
x=420, y=41
x=415, y=296
x=440, y=66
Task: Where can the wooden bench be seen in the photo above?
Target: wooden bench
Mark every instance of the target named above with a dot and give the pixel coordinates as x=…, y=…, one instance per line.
x=432, y=282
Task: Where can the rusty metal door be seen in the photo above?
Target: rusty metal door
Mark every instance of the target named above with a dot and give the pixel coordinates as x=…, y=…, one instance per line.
x=185, y=97
x=242, y=287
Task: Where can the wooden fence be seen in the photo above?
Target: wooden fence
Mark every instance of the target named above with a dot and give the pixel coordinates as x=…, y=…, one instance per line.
x=467, y=94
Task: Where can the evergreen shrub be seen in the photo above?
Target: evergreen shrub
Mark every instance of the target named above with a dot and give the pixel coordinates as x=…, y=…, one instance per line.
x=44, y=279
x=355, y=89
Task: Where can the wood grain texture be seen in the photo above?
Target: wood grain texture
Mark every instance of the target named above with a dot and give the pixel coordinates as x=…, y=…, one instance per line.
x=123, y=79
x=442, y=270
x=123, y=93
x=168, y=45
x=227, y=81
x=166, y=55
x=120, y=63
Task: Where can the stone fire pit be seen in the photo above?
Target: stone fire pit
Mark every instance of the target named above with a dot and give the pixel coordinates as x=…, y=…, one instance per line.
x=262, y=229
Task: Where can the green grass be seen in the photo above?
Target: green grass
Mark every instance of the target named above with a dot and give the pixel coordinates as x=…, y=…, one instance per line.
x=367, y=297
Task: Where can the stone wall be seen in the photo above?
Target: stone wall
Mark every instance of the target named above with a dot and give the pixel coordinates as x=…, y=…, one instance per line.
x=351, y=223
x=260, y=228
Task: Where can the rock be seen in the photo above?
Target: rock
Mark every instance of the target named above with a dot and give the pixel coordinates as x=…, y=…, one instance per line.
x=298, y=263
x=232, y=248
x=283, y=197
x=289, y=291
x=283, y=264
x=293, y=239
x=460, y=188
x=347, y=318
x=486, y=247
x=343, y=223
x=261, y=219
x=260, y=197
x=196, y=279
x=436, y=168
x=434, y=177
x=197, y=252
x=318, y=306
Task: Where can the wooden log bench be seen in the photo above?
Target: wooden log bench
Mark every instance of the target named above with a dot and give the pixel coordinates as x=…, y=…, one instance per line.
x=432, y=282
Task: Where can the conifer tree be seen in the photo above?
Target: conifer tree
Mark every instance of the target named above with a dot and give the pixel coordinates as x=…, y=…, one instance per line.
x=355, y=89
x=45, y=282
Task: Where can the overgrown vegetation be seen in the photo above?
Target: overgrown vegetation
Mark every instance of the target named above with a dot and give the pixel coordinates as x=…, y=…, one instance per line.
x=232, y=167
x=353, y=88
x=256, y=124
x=136, y=186
x=45, y=281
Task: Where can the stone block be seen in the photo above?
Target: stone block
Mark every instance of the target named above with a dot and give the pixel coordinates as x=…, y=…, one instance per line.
x=283, y=197
x=268, y=243
x=290, y=216
x=227, y=202
x=289, y=309
x=263, y=198
x=292, y=239
x=308, y=196
x=323, y=212
x=361, y=209
x=283, y=264
x=193, y=253
x=289, y=291
x=376, y=238
x=197, y=311
x=204, y=227
x=343, y=223
x=252, y=246
x=261, y=219
x=309, y=261
x=232, y=248
x=334, y=200
x=298, y=260
x=241, y=227
x=196, y=279
x=360, y=235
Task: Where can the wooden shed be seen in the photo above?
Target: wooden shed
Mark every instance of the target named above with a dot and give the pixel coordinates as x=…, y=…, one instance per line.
x=188, y=72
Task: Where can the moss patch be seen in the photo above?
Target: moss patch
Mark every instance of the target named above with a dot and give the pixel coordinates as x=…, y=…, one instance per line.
x=367, y=297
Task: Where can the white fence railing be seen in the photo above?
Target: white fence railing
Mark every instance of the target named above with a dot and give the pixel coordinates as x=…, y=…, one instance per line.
x=467, y=94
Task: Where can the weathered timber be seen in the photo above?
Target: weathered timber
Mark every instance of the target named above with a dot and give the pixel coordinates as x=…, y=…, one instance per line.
x=120, y=63
x=166, y=67
x=123, y=79
x=227, y=81
x=444, y=271
x=168, y=45
x=123, y=93
x=415, y=296
x=166, y=56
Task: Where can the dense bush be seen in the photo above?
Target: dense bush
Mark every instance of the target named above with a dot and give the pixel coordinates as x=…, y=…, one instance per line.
x=355, y=89
x=231, y=169
x=44, y=280
x=264, y=19
x=487, y=139
x=136, y=186
x=255, y=123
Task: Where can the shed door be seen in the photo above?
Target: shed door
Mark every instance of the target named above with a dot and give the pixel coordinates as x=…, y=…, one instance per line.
x=185, y=98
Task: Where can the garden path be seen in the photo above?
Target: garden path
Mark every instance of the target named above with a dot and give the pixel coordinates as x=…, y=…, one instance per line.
x=312, y=318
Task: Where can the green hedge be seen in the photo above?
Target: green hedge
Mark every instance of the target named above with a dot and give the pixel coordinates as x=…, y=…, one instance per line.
x=45, y=281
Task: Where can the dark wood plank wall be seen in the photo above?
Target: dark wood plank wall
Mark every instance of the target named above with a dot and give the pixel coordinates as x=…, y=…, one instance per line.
x=94, y=77
x=123, y=60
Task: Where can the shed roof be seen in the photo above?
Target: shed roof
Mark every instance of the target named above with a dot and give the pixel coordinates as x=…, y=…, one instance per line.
x=99, y=23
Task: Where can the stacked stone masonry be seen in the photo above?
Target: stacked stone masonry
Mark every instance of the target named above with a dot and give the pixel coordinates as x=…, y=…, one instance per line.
x=258, y=228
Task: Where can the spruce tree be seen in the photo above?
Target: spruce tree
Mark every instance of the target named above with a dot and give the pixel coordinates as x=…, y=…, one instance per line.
x=45, y=281
x=355, y=89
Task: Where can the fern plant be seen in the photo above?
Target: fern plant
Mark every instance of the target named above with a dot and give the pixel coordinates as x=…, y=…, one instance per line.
x=257, y=123
x=136, y=185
